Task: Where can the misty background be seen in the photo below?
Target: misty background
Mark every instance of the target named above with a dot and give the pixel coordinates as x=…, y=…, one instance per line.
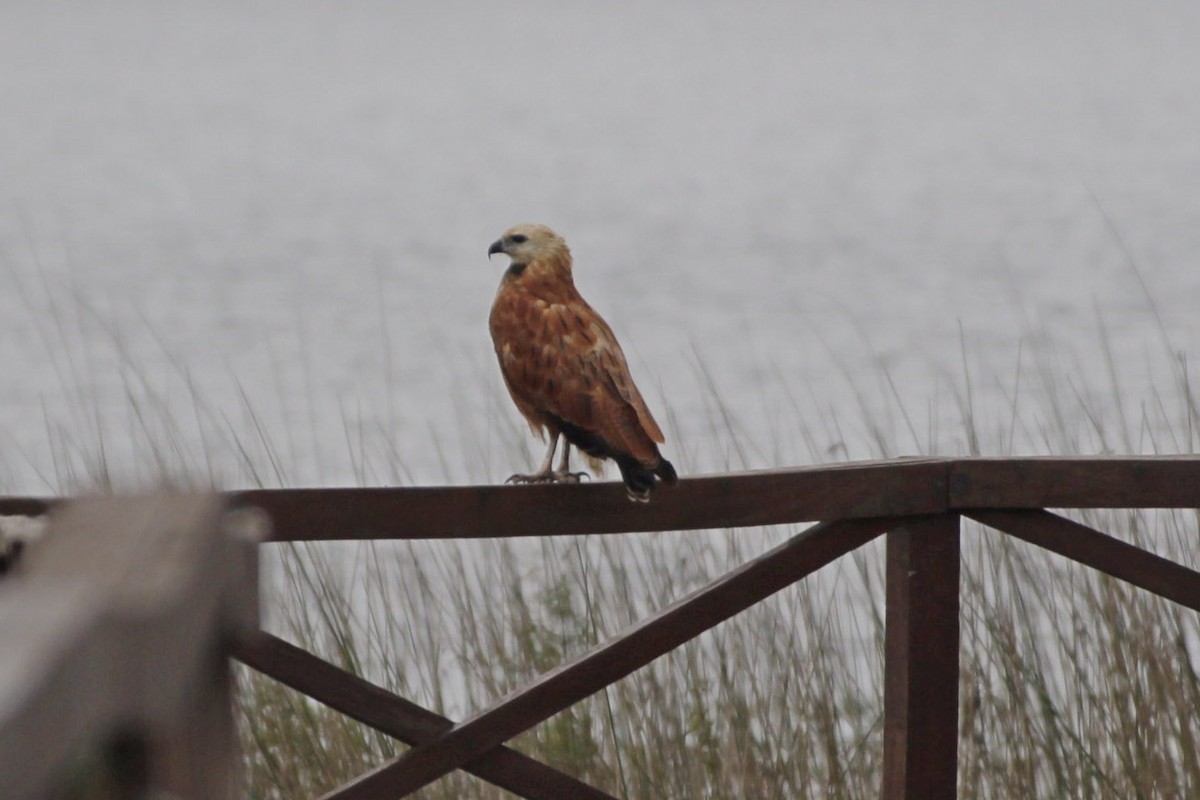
x=255, y=232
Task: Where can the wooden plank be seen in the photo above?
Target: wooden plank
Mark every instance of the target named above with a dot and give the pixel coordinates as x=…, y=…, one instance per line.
x=1099, y=551
x=845, y=491
x=1091, y=482
x=27, y=506
x=196, y=755
x=920, y=699
x=635, y=647
x=402, y=719
x=842, y=491
x=111, y=622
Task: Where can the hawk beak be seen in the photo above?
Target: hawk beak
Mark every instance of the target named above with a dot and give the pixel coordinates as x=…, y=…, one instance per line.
x=497, y=247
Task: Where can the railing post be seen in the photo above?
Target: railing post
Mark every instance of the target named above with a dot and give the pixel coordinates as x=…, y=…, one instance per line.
x=920, y=691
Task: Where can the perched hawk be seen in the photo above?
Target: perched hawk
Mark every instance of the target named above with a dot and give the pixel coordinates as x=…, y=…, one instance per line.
x=564, y=368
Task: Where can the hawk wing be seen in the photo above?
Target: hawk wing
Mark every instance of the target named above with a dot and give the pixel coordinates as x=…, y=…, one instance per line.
x=562, y=364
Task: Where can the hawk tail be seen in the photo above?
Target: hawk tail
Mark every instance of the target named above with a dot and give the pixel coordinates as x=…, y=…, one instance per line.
x=639, y=479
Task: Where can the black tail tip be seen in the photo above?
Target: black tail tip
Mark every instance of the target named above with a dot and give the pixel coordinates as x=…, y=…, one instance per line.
x=639, y=480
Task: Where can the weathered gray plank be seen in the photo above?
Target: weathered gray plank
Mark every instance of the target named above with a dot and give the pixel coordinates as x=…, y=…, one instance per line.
x=113, y=619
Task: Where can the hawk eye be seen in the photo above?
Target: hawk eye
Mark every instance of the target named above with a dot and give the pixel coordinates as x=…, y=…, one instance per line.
x=519, y=238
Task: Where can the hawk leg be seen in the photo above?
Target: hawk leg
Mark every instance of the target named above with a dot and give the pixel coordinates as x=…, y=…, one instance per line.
x=545, y=473
x=563, y=474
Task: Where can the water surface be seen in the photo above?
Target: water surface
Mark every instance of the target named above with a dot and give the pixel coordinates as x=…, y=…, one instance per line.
x=262, y=226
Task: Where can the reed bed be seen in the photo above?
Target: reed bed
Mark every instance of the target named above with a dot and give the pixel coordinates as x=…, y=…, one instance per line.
x=1072, y=684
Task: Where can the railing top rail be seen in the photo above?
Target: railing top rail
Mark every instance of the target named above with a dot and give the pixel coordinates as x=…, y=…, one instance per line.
x=853, y=490
x=856, y=490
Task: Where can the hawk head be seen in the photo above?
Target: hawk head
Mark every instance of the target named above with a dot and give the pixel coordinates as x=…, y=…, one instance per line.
x=525, y=244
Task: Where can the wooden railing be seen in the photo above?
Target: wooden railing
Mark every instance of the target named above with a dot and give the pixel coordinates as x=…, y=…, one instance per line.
x=917, y=503
x=112, y=627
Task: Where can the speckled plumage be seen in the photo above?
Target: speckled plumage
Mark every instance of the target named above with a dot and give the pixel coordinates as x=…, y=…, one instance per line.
x=563, y=365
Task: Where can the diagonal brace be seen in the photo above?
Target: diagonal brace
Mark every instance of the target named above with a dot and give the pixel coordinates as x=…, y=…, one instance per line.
x=400, y=718
x=637, y=646
x=1099, y=551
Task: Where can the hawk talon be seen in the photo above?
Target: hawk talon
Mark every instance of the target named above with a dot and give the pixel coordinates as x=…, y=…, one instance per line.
x=537, y=477
x=546, y=477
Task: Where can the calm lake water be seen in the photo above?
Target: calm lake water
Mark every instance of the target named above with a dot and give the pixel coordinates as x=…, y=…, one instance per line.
x=247, y=240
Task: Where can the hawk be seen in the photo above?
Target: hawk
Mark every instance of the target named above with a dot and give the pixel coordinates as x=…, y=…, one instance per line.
x=564, y=369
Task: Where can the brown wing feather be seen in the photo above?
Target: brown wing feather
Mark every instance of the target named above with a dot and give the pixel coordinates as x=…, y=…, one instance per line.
x=559, y=358
x=617, y=370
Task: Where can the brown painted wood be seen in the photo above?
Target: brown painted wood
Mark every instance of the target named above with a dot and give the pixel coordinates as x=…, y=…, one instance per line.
x=1091, y=482
x=920, y=728
x=841, y=491
x=26, y=506
x=1099, y=551
x=991, y=490
x=400, y=718
x=807, y=494
x=635, y=647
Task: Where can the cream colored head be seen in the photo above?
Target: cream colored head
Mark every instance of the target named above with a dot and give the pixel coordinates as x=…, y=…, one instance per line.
x=525, y=244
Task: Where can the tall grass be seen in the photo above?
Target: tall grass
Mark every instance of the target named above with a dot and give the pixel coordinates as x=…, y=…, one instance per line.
x=1072, y=684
